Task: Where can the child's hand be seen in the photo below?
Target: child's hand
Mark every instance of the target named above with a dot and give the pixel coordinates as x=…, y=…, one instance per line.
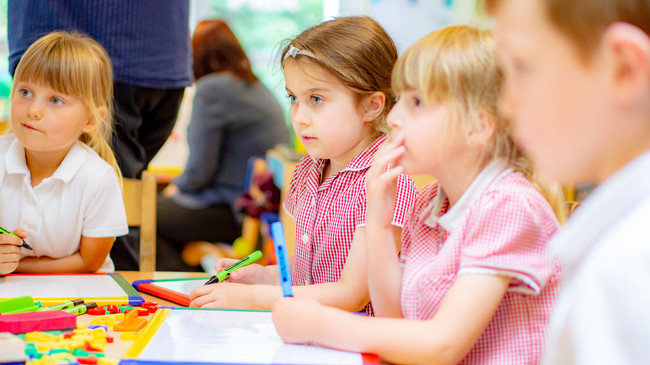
x=381, y=181
x=294, y=318
x=223, y=295
x=10, y=251
x=251, y=274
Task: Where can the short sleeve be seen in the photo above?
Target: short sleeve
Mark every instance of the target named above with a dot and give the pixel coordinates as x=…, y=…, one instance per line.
x=296, y=184
x=404, y=199
x=507, y=234
x=405, y=193
x=421, y=202
x=105, y=215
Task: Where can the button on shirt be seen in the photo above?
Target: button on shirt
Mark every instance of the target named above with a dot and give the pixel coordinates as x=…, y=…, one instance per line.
x=327, y=214
x=500, y=226
x=603, y=313
x=82, y=197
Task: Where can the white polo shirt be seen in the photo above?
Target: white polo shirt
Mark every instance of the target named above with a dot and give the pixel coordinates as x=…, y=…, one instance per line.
x=603, y=313
x=82, y=197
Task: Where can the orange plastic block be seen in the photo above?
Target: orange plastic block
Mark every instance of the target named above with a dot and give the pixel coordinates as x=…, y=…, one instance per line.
x=131, y=322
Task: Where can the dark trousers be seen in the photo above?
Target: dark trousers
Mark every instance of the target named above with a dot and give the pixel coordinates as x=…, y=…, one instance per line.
x=144, y=119
x=178, y=226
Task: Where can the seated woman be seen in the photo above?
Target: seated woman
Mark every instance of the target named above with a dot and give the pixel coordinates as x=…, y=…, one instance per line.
x=234, y=117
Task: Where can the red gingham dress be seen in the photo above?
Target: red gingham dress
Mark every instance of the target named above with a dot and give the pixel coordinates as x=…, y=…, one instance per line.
x=501, y=227
x=328, y=214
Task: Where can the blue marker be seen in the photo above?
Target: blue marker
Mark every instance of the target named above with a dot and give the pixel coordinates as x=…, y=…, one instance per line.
x=277, y=232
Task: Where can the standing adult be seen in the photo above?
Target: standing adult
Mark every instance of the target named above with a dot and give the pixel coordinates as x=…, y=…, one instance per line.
x=148, y=43
x=234, y=117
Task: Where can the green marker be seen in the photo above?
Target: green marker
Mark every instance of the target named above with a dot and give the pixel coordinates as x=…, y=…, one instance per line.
x=81, y=308
x=225, y=273
x=2, y=230
x=64, y=305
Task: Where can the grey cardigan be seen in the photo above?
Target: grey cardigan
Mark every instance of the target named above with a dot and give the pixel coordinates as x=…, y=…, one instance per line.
x=231, y=121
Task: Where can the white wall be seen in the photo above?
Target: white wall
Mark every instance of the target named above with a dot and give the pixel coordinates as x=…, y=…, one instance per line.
x=408, y=20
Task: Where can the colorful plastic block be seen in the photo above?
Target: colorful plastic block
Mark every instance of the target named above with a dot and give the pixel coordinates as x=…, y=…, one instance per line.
x=131, y=322
x=97, y=311
x=129, y=336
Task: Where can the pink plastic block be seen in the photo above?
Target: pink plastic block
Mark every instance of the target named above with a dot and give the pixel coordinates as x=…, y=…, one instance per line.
x=38, y=321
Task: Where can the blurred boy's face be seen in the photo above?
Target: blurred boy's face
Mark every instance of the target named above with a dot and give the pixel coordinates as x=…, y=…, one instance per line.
x=559, y=103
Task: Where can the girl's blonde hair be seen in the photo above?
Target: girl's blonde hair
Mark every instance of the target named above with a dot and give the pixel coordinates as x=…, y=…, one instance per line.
x=458, y=66
x=75, y=64
x=357, y=50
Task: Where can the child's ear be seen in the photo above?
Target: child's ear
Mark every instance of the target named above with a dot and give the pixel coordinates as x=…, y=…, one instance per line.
x=628, y=50
x=482, y=131
x=373, y=106
x=92, y=123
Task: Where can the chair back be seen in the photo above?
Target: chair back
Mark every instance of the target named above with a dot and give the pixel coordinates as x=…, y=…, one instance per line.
x=140, y=202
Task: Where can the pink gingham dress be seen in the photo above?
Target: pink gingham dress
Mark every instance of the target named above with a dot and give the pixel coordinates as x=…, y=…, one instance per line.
x=500, y=226
x=328, y=214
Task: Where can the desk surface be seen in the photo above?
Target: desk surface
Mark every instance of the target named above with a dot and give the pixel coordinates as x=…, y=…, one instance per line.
x=117, y=349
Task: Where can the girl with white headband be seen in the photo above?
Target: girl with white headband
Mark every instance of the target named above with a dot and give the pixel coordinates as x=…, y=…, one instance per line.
x=338, y=81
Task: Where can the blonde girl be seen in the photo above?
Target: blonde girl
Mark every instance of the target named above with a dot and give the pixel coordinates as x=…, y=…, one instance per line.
x=472, y=284
x=338, y=81
x=59, y=182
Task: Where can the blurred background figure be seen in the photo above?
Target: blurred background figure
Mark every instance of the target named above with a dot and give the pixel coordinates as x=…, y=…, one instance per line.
x=234, y=117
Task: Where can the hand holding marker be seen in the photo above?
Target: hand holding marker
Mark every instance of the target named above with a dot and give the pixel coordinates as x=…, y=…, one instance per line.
x=225, y=273
x=2, y=230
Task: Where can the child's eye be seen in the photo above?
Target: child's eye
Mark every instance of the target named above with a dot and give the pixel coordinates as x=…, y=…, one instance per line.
x=316, y=100
x=417, y=101
x=57, y=101
x=293, y=99
x=25, y=92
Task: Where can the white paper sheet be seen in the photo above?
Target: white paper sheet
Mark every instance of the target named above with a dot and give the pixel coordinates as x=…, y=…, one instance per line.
x=181, y=286
x=60, y=286
x=219, y=336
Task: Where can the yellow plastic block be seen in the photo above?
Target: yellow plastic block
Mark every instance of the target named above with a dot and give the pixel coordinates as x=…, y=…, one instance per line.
x=129, y=336
x=63, y=356
x=84, y=337
x=98, y=333
x=98, y=345
x=43, y=346
x=39, y=336
x=101, y=320
x=107, y=361
x=76, y=343
x=82, y=325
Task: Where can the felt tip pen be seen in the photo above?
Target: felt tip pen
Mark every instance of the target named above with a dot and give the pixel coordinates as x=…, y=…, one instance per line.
x=225, y=273
x=25, y=245
x=64, y=305
x=277, y=232
x=81, y=308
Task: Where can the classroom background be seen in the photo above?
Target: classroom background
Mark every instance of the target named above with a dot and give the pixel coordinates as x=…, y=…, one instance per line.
x=262, y=25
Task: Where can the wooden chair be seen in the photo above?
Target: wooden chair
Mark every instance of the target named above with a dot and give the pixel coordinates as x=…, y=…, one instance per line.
x=140, y=203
